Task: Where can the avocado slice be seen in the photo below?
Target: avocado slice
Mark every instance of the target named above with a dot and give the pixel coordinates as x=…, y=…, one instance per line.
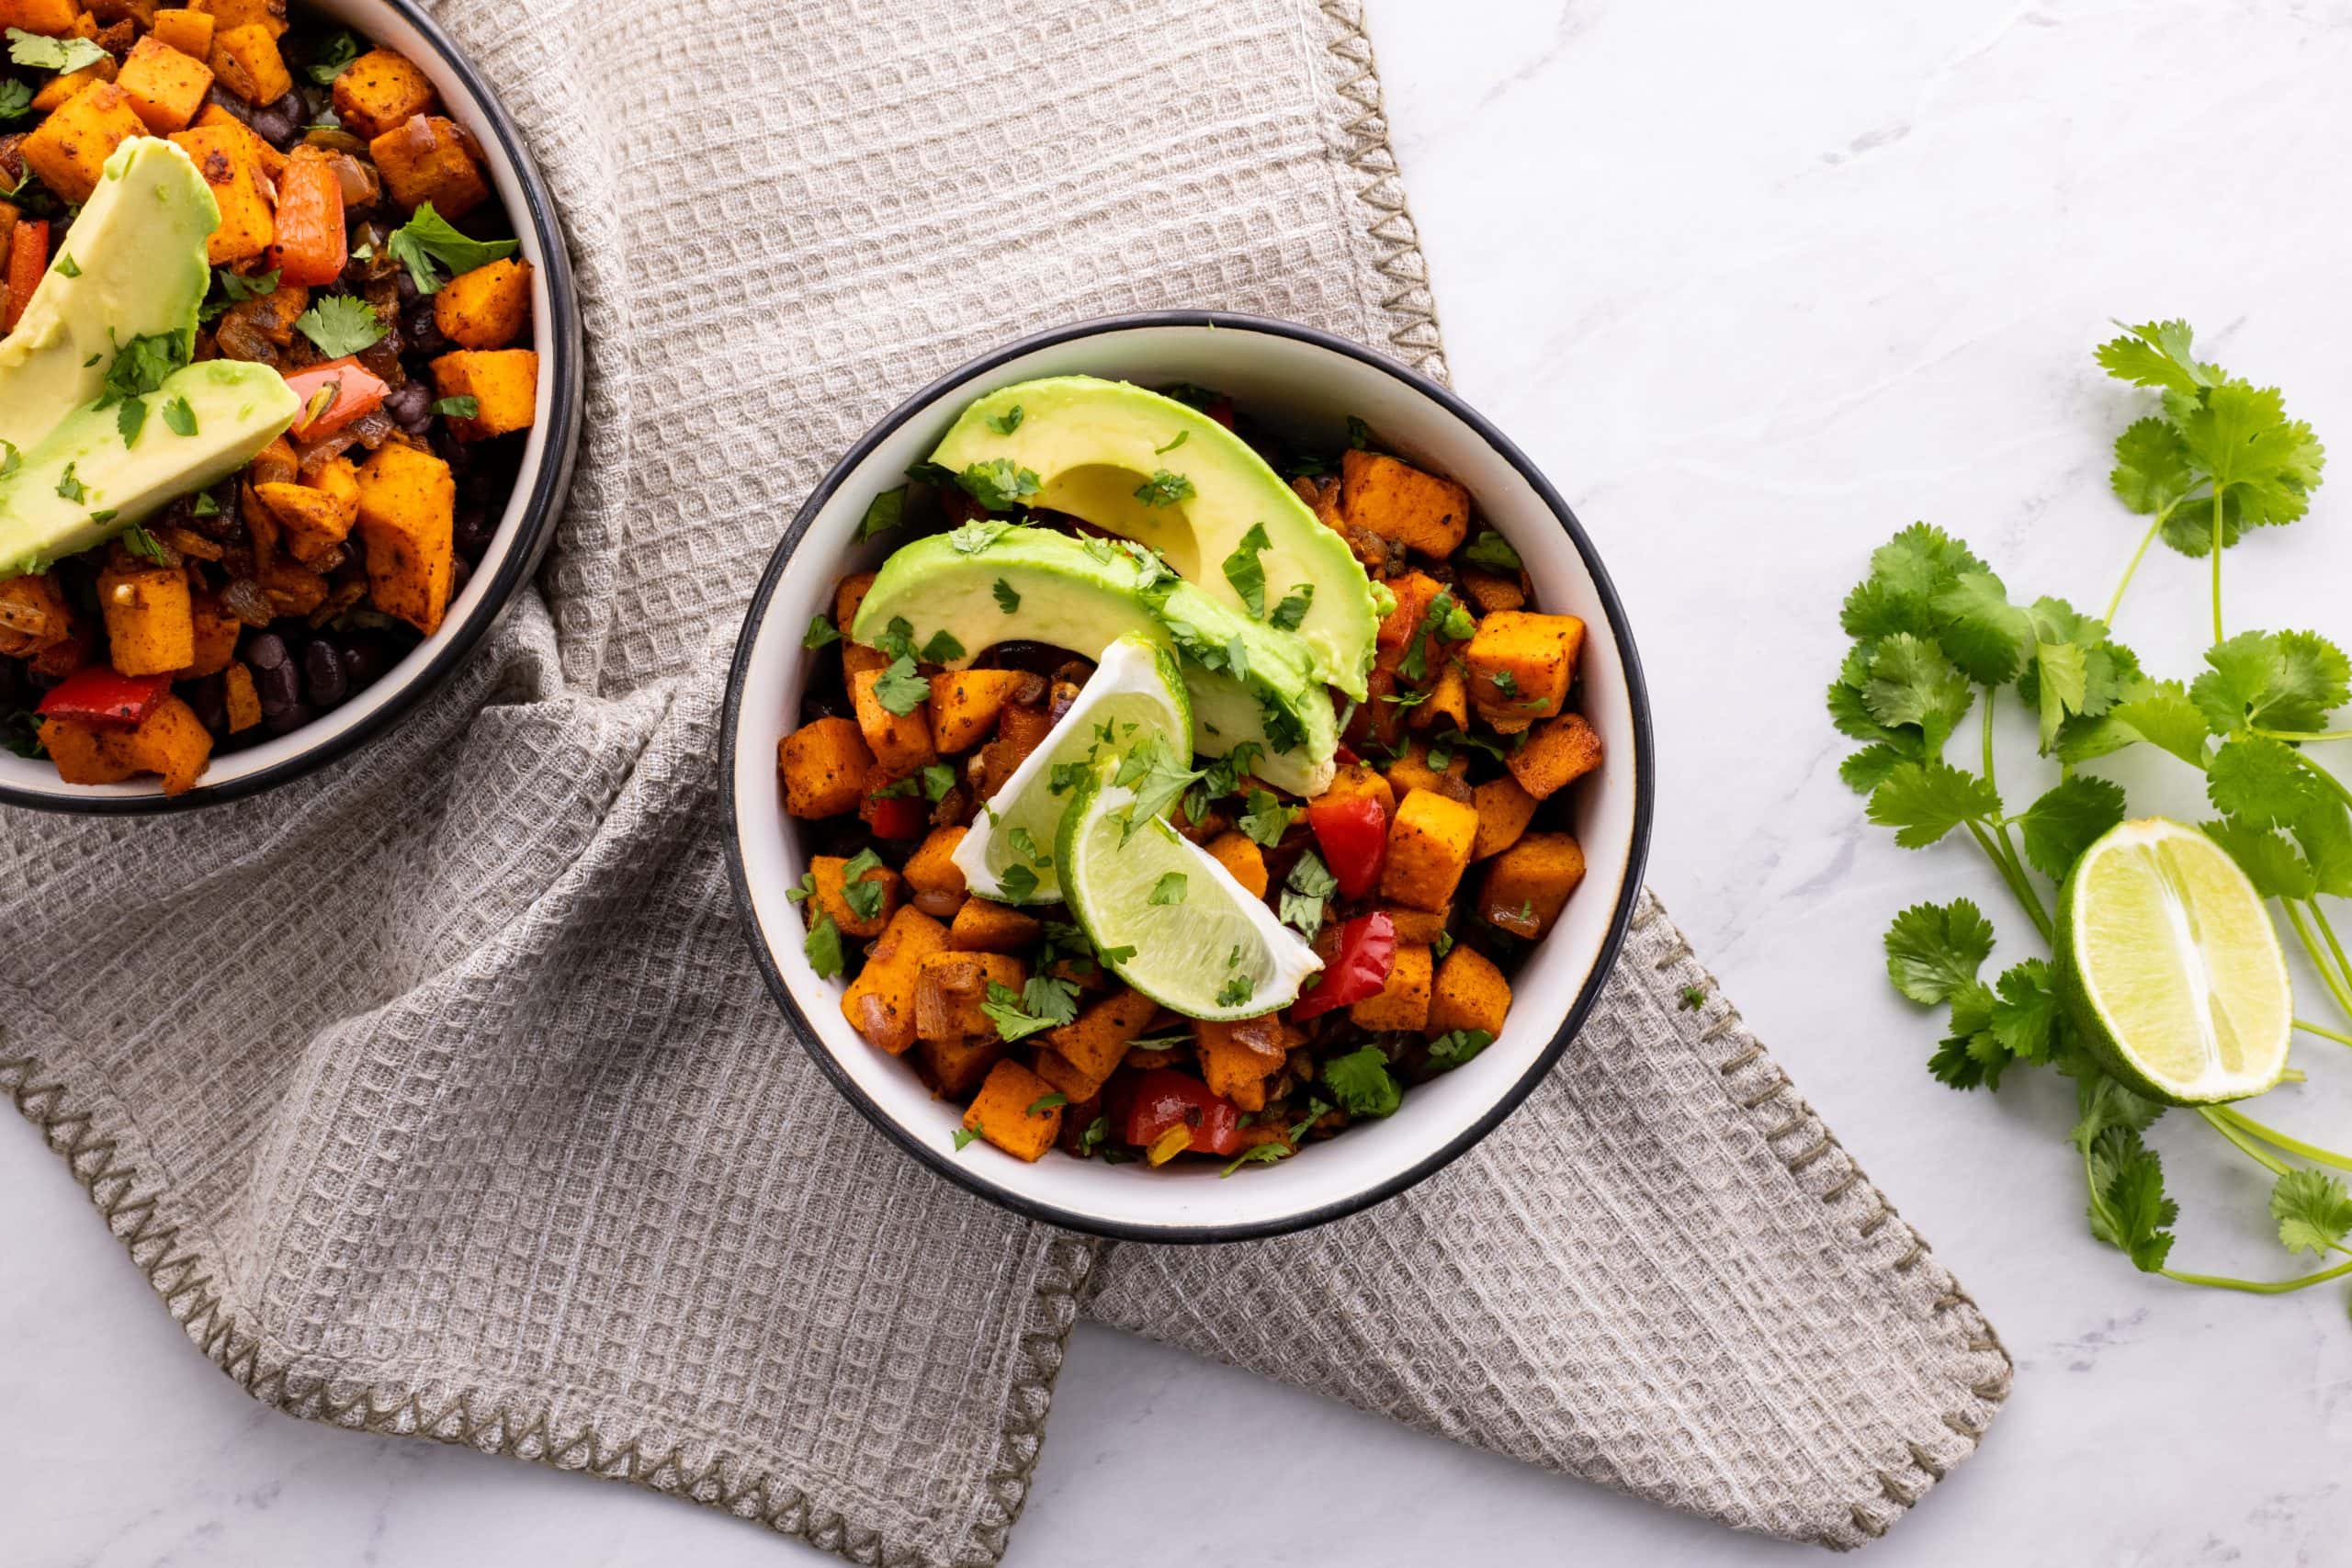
x=1082, y=596
x=138, y=270
x=81, y=485
x=1093, y=444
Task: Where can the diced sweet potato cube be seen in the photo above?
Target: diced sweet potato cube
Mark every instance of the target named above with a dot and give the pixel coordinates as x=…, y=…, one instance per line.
x=51, y=19
x=378, y=91
x=151, y=625
x=1428, y=847
x=1354, y=781
x=1468, y=993
x=1503, y=810
x=932, y=872
x=1093, y=1044
x=1397, y=500
x=855, y=656
x=1412, y=770
x=62, y=88
x=957, y=1066
x=1492, y=592
x=407, y=520
x=423, y=159
x=965, y=705
x=1418, y=925
x=1559, y=752
x=1526, y=885
x=880, y=1003
x=950, y=988
x=1239, y=854
x=70, y=149
x=247, y=61
x=164, y=86
x=1003, y=1112
x=1404, y=1002
x=833, y=895
x=1521, y=665
x=244, y=700
x=1413, y=591
x=824, y=764
x=900, y=741
x=339, y=481
x=487, y=307
x=224, y=155
x=310, y=521
x=188, y=31
x=1449, y=699
x=1236, y=1058
x=266, y=158
x=984, y=926
x=216, y=633
x=81, y=754
x=502, y=382
x=173, y=742
x=227, y=14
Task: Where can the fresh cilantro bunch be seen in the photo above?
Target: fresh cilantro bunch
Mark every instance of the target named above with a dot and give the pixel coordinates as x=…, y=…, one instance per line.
x=1937, y=632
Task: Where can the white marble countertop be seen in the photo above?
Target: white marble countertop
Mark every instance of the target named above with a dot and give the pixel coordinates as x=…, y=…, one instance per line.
x=1757, y=286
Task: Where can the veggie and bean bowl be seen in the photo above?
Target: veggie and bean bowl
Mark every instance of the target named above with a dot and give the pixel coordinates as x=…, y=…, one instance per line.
x=1173, y=795
x=265, y=383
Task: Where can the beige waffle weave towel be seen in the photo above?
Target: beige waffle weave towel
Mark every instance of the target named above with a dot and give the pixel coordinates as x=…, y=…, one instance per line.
x=436, y=1094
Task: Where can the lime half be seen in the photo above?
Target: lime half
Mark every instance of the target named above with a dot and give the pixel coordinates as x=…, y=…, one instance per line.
x=1167, y=919
x=1136, y=691
x=2171, y=967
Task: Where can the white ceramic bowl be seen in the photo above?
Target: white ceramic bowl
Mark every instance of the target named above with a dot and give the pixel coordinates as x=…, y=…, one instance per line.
x=524, y=527
x=1308, y=381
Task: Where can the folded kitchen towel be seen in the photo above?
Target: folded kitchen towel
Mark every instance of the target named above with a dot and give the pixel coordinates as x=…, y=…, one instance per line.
x=437, y=1095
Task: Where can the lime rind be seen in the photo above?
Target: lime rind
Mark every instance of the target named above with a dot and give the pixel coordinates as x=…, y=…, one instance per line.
x=1183, y=955
x=1137, y=690
x=2170, y=968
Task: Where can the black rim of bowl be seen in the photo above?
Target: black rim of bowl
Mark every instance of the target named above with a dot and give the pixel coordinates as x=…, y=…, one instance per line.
x=1638, y=701
x=545, y=500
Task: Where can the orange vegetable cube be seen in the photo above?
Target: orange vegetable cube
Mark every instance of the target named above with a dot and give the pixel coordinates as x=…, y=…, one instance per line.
x=188, y=31
x=983, y=925
x=52, y=18
x=1003, y=1112
x=81, y=754
x=1404, y=1002
x=164, y=86
x=487, y=307
x=224, y=155
x=957, y=1066
x=407, y=520
x=265, y=158
x=173, y=742
x=1468, y=993
x=951, y=988
x=833, y=895
x=1239, y=854
x=247, y=61
x=227, y=14
x=1428, y=848
x=150, y=623
x=1236, y=1058
x=1527, y=885
x=1559, y=752
x=244, y=699
x=824, y=764
x=880, y=1003
x=932, y=872
x=310, y=523
x=1397, y=500
x=1491, y=591
x=423, y=159
x=965, y=704
x=216, y=632
x=1521, y=665
x=59, y=89
x=1356, y=781
x=502, y=382
x=1504, y=810
x=378, y=91
x=900, y=741
x=1418, y=925
x=70, y=149
x=1412, y=770
x=1091, y=1046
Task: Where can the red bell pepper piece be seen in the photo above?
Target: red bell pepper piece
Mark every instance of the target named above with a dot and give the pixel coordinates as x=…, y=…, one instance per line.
x=1219, y=410
x=27, y=260
x=332, y=395
x=896, y=815
x=1358, y=969
x=1354, y=832
x=309, y=246
x=1164, y=1098
x=96, y=694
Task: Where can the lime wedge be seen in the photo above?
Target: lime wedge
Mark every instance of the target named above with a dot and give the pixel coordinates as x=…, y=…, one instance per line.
x=1136, y=691
x=1167, y=918
x=2170, y=966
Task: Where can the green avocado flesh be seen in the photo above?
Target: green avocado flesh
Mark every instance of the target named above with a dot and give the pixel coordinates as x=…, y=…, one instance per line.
x=1094, y=444
x=82, y=486
x=1081, y=597
x=137, y=269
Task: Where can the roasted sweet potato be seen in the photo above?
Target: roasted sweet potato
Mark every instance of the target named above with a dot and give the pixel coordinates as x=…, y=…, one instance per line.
x=1559, y=752
x=407, y=514
x=965, y=704
x=33, y=614
x=188, y=31
x=310, y=522
x=1239, y=854
x=824, y=764
x=1002, y=1112
x=1449, y=700
x=1085, y=1051
x=244, y=699
x=502, y=382
x=1404, y=1002
x=215, y=632
x=957, y=1066
x=1412, y=770
x=1469, y=992
x=487, y=307
x=1397, y=500
x=900, y=741
x=1521, y=665
x=1428, y=846
x=1526, y=885
x=1503, y=810
x=1417, y=925
x=151, y=624
x=833, y=895
x=173, y=742
x=165, y=87
x=984, y=926
x=227, y=14
x=378, y=91
x=1354, y=781
x=247, y=61
x=1019, y=731
x=855, y=656
x=1237, y=1058
x=81, y=754
x=423, y=159
x=258, y=153
x=1491, y=591
x=880, y=1003
x=932, y=872
x=950, y=988
x=70, y=149
x=52, y=18
x=1413, y=591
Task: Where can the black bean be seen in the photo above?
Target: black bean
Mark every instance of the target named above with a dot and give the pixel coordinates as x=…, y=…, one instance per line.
x=363, y=661
x=424, y=332
x=461, y=572
x=280, y=687
x=404, y=286
x=231, y=105
x=473, y=531
x=410, y=407
x=266, y=651
x=284, y=719
x=275, y=126
x=210, y=701
x=322, y=673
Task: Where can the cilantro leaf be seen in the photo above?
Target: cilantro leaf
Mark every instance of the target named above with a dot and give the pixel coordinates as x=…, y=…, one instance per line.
x=1361, y=1083
x=2252, y=453
x=179, y=416
x=1164, y=489
x=1169, y=889
x=974, y=537
x=999, y=484
x=1971, y=1055
x=1008, y=422
x=820, y=632
x=2025, y=1012
x=427, y=238
x=2272, y=681
x=1456, y=1046
x=340, y=324
x=2100, y=1104
x=1923, y=801
x=884, y=512
x=16, y=99
x=1235, y=992
x=2061, y=825
x=1912, y=682
x=1292, y=610
x=2268, y=861
x=823, y=946
x=1981, y=631
x=63, y=55
x=2156, y=354
x=2128, y=1209
x=943, y=648
x=1044, y=1002
x=1934, y=949
x=1247, y=572
x=1491, y=550
x=2313, y=1212
x=1152, y=769
x=2152, y=473
x=2260, y=781
x=899, y=689
x=1268, y=818
x=2163, y=714
x=1007, y=598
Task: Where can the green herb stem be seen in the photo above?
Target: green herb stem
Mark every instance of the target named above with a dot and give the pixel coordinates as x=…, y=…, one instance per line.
x=2327, y=932
x=2278, y=1140
x=2245, y=1146
x=2013, y=873
x=2319, y=959
x=2217, y=637
x=2310, y=1028
x=2259, y=1287
x=2115, y=600
x=2301, y=737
